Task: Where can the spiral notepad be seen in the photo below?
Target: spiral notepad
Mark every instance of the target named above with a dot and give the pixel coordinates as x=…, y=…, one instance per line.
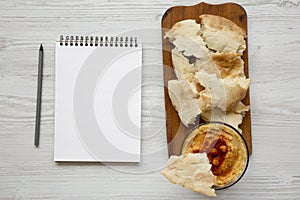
x=98, y=99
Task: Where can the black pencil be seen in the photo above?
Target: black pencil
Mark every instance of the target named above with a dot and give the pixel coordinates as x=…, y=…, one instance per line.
x=39, y=97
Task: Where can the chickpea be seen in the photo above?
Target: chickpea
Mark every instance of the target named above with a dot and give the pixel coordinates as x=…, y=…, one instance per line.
x=223, y=148
x=214, y=151
x=215, y=161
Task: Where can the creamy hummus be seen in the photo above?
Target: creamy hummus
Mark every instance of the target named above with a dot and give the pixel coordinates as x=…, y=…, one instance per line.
x=225, y=149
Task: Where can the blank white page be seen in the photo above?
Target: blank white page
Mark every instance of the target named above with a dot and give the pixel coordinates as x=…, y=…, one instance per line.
x=98, y=103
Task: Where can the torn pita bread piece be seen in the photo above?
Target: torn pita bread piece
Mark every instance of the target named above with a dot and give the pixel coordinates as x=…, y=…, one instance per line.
x=222, y=35
x=191, y=46
x=240, y=108
x=193, y=84
x=233, y=117
x=183, y=101
x=185, y=71
x=192, y=171
x=229, y=65
x=224, y=65
x=181, y=64
x=223, y=93
x=186, y=28
x=186, y=38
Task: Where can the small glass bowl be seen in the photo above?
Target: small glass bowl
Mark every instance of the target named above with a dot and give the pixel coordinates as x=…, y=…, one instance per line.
x=238, y=138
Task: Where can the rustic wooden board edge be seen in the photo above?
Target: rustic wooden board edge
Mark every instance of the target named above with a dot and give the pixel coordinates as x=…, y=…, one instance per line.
x=175, y=130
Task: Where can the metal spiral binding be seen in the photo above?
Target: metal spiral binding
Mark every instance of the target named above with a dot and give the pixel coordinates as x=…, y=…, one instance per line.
x=104, y=41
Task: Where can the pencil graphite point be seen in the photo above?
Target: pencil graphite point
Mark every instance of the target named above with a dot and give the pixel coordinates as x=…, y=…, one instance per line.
x=41, y=47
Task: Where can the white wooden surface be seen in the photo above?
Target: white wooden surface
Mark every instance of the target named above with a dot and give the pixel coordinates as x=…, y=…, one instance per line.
x=30, y=173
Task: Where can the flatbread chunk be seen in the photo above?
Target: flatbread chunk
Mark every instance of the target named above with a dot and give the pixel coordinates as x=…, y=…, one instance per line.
x=191, y=46
x=224, y=93
x=188, y=28
x=224, y=65
x=191, y=171
x=181, y=64
x=222, y=35
x=183, y=101
x=233, y=117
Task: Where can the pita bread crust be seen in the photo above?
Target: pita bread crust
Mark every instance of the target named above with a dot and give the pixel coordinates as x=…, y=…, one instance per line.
x=185, y=36
x=222, y=35
x=183, y=101
x=233, y=117
x=224, y=65
x=223, y=93
x=181, y=64
x=186, y=28
x=240, y=108
x=229, y=65
x=191, y=171
x=218, y=23
x=185, y=71
x=191, y=46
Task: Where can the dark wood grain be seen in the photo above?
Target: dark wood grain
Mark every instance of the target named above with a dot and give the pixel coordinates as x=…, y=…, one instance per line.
x=175, y=130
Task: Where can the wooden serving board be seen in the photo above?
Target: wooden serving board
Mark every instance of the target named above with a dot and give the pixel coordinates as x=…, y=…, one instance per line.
x=176, y=131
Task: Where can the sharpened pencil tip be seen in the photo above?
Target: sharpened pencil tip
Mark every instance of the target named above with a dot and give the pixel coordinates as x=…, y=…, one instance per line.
x=41, y=47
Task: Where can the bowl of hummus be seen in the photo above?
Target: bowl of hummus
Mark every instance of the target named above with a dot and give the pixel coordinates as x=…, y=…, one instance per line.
x=226, y=150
